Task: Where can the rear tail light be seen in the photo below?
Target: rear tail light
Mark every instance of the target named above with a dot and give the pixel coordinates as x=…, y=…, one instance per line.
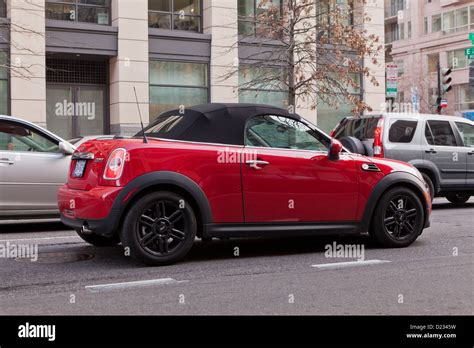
x=378, y=145
x=115, y=164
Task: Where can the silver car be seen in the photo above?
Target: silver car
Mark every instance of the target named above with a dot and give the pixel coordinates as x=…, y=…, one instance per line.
x=34, y=163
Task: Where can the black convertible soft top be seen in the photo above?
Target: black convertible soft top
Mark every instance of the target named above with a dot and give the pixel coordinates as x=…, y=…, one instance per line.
x=214, y=123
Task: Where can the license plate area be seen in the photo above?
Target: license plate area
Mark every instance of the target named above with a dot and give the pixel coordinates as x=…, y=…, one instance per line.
x=79, y=169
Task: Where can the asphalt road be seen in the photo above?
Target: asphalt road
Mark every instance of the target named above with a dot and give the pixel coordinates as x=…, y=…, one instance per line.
x=433, y=276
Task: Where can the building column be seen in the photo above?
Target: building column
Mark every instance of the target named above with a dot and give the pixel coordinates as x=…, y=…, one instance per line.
x=130, y=68
x=220, y=19
x=374, y=96
x=28, y=60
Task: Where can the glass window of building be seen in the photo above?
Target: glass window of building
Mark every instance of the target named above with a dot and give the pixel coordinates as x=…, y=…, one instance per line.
x=262, y=91
x=251, y=10
x=456, y=20
x=436, y=23
x=175, y=84
x=433, y=61
x=175, y=14
x=3, y=8
x=89, y=11
x=3, y=84
x=464, y=97
x=457, y=59
x=329, y=116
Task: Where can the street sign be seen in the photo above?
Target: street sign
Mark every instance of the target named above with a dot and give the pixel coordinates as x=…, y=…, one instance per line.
x=392, y=72
x=444, y=103
x=392, y=80
x=469, y=51
x=392, y=89
x=471, y=37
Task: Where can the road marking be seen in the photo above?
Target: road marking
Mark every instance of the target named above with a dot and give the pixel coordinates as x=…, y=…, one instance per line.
x=349, y=264
x=135, y=284
x=38, y=239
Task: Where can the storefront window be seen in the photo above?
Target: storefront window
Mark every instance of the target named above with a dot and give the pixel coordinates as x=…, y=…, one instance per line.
x=175, y=84
x=175, y=14
x=265, y=89
x=3, y=8
x=89, y=11
x=249, y=13
x=3, y=84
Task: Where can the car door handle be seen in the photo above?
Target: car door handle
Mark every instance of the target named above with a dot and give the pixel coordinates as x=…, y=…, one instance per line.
x=255, y=164
x=6, y=161
x=431, y=151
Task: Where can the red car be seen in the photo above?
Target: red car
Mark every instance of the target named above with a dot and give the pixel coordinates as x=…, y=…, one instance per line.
x=235, y=170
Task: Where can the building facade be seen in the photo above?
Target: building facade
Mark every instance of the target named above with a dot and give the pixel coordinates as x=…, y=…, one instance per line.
x=421, y=34
x=74, y=65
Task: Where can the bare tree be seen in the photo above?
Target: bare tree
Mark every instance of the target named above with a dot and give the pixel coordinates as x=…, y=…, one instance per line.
x=312, y=49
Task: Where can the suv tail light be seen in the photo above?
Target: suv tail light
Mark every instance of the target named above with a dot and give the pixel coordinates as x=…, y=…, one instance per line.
x=378, y=145
x=115, y=164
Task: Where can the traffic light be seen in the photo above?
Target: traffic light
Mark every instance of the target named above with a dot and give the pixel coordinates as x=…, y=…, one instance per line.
x=446, y=80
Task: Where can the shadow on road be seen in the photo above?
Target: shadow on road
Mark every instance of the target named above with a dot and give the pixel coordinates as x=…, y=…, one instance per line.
x=447, y=205
x=32, y=227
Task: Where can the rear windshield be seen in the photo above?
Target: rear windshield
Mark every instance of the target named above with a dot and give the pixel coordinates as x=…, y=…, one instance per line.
x=402, y=131
x=360, y=128
x=162, y=126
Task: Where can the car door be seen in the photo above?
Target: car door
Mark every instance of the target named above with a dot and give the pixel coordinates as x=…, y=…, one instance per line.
x=31, y=170
x=441, y=148
x=287, y=176
x=466, y=131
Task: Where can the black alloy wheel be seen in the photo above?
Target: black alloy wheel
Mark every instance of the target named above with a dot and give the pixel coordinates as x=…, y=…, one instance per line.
x=159, y=229
x=399, y=218
x=458, y=198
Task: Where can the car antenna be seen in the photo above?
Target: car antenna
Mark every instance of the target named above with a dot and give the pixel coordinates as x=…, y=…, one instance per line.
x=145, y=140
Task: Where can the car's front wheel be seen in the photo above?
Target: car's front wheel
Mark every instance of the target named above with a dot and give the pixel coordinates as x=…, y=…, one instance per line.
x=97, y=240
x=399, y=218
x=159, y=229
x=458, y=198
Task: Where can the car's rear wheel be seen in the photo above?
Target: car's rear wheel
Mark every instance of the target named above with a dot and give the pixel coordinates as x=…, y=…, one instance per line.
x=458, y=198
x=159, y=229
x=97, y=240
x=430, y=184
x=399, y=218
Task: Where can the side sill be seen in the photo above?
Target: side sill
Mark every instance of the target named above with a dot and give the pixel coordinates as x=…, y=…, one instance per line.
x=279, y=229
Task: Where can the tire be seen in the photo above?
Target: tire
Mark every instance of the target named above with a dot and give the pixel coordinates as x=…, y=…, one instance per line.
x=354, y=145
x=159, y=229
x=398, y=218
x=458, y=198
x=430, y=184
x=99, y=241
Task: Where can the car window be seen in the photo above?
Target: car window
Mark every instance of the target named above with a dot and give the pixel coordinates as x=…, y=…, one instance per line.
x=439, y=133
x=467, y=133
x=15, y=137
x=371, y=126
x=284, y=133
x=402, y=131
x=162, y=125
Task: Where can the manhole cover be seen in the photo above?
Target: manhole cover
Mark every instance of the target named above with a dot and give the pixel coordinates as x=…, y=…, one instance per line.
x=58, y=258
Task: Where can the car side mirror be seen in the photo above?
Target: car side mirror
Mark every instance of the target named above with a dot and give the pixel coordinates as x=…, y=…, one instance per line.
x=335, y=150
x=66, y=148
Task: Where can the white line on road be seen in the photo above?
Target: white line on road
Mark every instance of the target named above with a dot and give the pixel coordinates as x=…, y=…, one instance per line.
x=349, y=264
x=135, y=284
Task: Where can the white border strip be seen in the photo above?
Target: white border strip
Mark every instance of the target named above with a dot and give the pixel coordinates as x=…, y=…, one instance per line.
x=135, y=284
x=349, y=264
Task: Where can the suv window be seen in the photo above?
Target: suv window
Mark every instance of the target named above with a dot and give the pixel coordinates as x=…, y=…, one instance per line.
x=402, y=131
x=439, y=133
x=15, y=137
x=467, y=133
x=360, y=128
x=284, y=133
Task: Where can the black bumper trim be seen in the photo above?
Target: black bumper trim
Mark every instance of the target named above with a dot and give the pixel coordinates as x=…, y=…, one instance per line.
x=104, y=227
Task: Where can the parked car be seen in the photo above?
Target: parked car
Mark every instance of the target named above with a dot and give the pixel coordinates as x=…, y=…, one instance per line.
x=235, y=170
x=34, y=163
x=440, y=147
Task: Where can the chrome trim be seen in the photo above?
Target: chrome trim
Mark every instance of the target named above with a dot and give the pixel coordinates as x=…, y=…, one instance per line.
x=255, y=164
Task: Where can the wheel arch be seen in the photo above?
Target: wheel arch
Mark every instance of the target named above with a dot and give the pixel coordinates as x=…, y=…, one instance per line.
x=165, y=181
x=397, y=179
x=429, y=169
